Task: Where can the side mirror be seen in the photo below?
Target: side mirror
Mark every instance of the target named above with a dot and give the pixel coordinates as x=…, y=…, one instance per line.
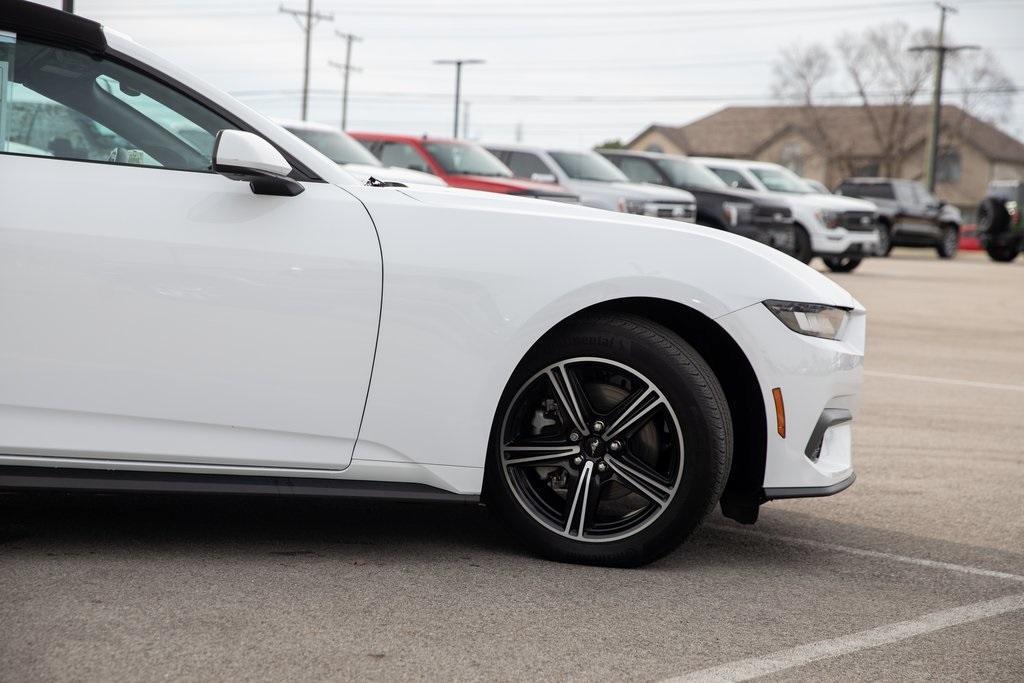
x=239, y=155
x=542, y=177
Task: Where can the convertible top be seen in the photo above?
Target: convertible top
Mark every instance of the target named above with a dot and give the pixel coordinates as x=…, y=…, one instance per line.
x=52, y=25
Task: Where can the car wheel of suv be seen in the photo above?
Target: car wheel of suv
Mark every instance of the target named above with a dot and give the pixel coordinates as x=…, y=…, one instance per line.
x=949, y=242
x=884, y=240
x=1003, y=253
x=802, y=245
x=612, y=443
x=841, y=264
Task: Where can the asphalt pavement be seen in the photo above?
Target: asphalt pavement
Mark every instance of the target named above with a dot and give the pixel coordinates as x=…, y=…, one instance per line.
x=916, y=572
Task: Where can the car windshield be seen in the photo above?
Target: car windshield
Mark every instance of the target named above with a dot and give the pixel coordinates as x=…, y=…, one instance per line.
x=690, y=174
x=336, y=146
x=588, y=166
x=461, y=159
x=781, y=180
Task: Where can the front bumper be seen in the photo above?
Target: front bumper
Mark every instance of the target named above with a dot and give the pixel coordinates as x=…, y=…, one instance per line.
x=843, y=242
x=781, y=236
x=818, y=378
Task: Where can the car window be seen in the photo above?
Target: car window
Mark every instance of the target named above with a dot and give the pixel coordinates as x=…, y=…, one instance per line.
x=67, y=105
x=732, y=178
x=638, y=170
x=467, y=159
x=905, y=193
x=869, y=190
x=335, y=145
x=923, y=196
x=781, y=180
x=588, y=166
x=403, y=155
x=690, y=174
x=525, y=164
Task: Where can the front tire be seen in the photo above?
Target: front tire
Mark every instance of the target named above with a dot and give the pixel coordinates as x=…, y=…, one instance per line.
x=612, y=442
x=884, y=240
x=1003, y=253
x=842, y=264
x=802, y=245
x=949, y=242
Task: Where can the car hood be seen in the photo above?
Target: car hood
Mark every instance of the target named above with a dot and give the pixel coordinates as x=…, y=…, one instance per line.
x=830, y=202
x=394, y=174
x=639, y=248
x=516, y=184
x=635, y=191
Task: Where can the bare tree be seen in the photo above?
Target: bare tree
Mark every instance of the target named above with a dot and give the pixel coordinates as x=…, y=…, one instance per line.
x=885, y=79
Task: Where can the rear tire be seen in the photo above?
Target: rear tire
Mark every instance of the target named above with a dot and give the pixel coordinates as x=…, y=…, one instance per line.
x=645, y=485
x=884, y=240
x=1003, y=253
x=802, y=245
x=842, y=264
x=949, y=242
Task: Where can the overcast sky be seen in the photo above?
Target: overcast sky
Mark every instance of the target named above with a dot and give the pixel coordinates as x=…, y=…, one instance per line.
x=644, y=61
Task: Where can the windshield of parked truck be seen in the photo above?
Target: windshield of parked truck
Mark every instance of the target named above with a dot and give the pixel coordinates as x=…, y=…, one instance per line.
x=461, y=159
x=336, y=146
x=690, y=174
x=588, y=166
x=781, y=180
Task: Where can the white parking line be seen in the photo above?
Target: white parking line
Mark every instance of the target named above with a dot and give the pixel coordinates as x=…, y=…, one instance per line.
x=946, y=380
x=963, y=569
x=745, y=669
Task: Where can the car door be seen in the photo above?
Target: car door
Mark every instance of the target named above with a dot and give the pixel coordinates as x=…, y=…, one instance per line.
x=914, y=222
x=154, y=311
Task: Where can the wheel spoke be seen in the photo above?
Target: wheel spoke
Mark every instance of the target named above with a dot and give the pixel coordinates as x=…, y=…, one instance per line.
x=635, y=414
x=584, y=500
x=568, y=397
x=536, y=455
x=640, y=482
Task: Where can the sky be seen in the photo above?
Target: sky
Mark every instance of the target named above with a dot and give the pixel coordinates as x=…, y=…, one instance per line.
x=556, y=72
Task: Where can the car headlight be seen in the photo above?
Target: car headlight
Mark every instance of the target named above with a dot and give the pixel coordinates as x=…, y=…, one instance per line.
x=632, y=205
x=814, y=320
x=830, y=219
x=736, y=212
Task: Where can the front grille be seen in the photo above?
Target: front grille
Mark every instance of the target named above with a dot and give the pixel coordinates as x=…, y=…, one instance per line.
x=773, y=214
x=679, y=211
x=859, y=221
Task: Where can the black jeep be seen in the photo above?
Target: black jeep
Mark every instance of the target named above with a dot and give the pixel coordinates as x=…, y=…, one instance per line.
x=1000, y=223
x=909, y=215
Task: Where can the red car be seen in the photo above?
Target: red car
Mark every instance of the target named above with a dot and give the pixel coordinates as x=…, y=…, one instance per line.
x=458, y=163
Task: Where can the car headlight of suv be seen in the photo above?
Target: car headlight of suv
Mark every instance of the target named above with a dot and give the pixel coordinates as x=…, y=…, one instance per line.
x=632, y=205
x=830, y=219
x=814, y=320
x=737, y=212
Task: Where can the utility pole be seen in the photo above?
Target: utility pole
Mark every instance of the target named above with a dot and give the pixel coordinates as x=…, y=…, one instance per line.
x=345, y=69
x=69, y=6
x=465, y=119
x=311, y=19
x=458, y=85
x=940, y=49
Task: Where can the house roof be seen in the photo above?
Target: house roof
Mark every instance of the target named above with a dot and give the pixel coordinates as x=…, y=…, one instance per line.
x=742, y=131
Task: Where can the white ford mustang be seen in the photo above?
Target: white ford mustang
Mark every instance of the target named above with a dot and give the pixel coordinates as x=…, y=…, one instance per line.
x=193, y=300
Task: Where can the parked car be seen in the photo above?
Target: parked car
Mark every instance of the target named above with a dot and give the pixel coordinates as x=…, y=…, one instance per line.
x=1000, y=220
x=909, y=215
x=340, y=148
x=210, y=323
x=718, y=206
x=816, y=185
x=841, y=230
x=597, y=182
x=459, y=163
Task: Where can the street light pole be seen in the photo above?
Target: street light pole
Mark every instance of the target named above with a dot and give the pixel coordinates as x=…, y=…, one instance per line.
x=69, y=6
x=940, y=49
x=458, y=85
x=345, y=69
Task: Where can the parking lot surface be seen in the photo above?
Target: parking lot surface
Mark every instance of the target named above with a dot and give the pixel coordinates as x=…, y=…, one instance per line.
x=916, y=572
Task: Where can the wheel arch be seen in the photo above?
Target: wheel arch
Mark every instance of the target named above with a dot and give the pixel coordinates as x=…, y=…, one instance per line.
x=744, y=490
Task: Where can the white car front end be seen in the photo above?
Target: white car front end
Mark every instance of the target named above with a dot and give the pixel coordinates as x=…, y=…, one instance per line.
x=836, y=225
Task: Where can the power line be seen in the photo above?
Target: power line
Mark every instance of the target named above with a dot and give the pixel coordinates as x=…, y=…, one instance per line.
x=311, y=19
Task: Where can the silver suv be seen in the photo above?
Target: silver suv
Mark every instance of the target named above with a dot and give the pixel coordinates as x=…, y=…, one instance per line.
x=596, y=181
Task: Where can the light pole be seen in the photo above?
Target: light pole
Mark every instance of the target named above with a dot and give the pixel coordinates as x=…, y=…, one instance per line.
x=311, y=18
x=68, y=6
x=940, y=49
x=458, y=85
x=346, y=69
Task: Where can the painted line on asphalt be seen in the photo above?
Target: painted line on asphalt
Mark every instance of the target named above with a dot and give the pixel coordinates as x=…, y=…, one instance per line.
x=921, y=562
x=781, y=660
x=946, y=380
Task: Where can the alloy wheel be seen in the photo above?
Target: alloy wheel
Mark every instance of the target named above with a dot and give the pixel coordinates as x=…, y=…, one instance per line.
x=591, y=449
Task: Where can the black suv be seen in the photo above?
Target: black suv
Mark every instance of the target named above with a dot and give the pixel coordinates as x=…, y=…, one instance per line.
x=1000, y=220
x=908, y=214
x=718, y=205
